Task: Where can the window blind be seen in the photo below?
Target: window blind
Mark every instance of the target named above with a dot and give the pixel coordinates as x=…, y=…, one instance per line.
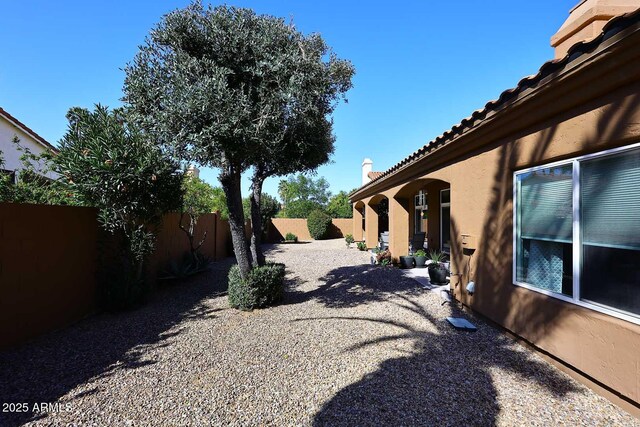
x=546, y=203
x=610, y=201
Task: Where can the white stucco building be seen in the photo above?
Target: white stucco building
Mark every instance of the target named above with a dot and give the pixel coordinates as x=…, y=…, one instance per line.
x=10, y=127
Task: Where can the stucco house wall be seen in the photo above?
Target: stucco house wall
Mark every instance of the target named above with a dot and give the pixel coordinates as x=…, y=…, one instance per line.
x=10, y=127
x=589, y=106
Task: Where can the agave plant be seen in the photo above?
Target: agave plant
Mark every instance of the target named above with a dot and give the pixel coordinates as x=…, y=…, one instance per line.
x=437, y=258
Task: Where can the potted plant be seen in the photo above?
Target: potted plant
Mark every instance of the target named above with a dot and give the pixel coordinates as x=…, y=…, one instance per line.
x=383, y=258
x=437, y=270
x=407, y=261
x=420, y=258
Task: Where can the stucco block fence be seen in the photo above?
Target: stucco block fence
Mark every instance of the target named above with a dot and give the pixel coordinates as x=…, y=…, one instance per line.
x=279, y=227
x=49, y=257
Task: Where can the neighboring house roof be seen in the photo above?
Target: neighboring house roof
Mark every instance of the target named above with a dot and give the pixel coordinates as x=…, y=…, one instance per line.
x=613, y=27
x=27, y=130
x=374, y=175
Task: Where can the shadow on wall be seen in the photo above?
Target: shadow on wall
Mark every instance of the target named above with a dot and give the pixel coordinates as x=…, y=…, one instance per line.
x=495, y=295
x=51, y=366
x=445, y=378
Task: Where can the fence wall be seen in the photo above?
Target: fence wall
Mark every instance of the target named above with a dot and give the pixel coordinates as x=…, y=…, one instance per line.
x=48, y=263
x=279, y=227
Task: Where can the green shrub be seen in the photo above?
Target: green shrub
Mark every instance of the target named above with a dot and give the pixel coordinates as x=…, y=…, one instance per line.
x=263, y=287
x=318, y=223
x=362, y=246
x=349, y=239
x=290, y=237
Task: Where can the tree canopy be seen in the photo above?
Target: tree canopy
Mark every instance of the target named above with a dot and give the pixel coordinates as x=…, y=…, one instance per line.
x=339, y=206
x=109, y=164
x=228, y=88
x=301, y=195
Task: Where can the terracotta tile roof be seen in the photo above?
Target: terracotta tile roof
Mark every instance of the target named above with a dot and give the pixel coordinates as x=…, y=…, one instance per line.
x=27, y=130
x=613, y=27
x=374, y=175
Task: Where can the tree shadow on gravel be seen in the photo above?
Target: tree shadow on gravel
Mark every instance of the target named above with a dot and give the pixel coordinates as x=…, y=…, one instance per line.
x=49, y=367
x=350, y=286
x=447, y=378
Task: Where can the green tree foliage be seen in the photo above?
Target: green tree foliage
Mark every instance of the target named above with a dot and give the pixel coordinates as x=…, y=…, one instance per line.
x=32, y=184
x=108, y=163
x=269, y=207
x=220, y=202
x=6, y=183
x=302, y=194
x=198, y=199
x=339, y=206
x=227, y=88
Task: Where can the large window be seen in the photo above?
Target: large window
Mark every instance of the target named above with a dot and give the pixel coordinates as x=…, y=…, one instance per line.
x=577, y=231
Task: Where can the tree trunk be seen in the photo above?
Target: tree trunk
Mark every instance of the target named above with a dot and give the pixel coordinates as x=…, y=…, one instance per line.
x=256, y=219
x=232, y=190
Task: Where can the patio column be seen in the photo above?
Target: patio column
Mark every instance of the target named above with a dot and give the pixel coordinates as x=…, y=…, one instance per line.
x=398, y=227
x=371, y=226
x=358, y=232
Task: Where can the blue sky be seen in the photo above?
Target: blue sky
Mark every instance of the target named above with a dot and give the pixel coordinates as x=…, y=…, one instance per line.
x=421, y=66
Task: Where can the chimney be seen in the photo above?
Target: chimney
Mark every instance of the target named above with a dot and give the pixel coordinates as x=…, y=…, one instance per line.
x=367, y=166
x=193, y=171
x=586, y=21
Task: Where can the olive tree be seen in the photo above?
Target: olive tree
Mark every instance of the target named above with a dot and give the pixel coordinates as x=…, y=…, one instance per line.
x=300, y=138
x=228, y=88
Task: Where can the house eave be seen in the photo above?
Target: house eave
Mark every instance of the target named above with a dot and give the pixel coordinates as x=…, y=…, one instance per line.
x=585, y=62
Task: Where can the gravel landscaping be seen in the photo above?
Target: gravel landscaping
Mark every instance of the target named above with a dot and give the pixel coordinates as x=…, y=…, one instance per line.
x=352, y=344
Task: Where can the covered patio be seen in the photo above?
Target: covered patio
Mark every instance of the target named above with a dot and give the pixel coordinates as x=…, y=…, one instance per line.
x=422, y=205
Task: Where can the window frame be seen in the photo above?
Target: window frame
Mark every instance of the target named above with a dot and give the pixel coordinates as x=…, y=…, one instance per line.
x=420, y=204
x=576, y=238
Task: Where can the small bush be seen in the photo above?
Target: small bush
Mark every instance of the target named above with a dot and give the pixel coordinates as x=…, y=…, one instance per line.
x=383, y=257
x=349, y=239
x=318, y=223
x=362, y=246
x=264, y=287
x=290, y=237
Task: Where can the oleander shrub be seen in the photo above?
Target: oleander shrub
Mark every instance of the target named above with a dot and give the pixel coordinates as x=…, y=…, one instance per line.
x=318, y=223
x=290, y=237
x=263, y=287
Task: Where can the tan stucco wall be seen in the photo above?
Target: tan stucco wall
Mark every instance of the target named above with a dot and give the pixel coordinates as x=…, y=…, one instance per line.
x=279, y=227
x=604, y=348
x=49, y=259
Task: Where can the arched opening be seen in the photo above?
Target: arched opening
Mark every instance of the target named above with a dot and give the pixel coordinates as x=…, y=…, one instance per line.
x=376, y=219
x=421, y=218
x=358, y=220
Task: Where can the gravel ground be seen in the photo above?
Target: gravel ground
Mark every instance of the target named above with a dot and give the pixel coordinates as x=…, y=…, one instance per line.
x=351, y=345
